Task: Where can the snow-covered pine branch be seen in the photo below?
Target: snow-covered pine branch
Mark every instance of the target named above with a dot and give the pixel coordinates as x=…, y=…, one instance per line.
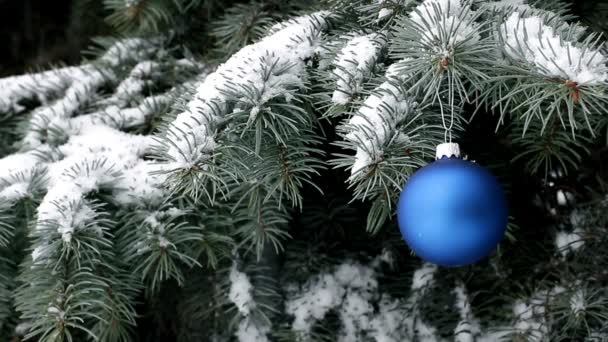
x=552, y=72
x=391, y=134
x=87, y=143
x=355, y=64
x=529, y=40
x=77, y=157
x=530, y=319
x=72, y=229
x=273, y=68
x=568, y=242
x=142, y=75
x=157, y=238
x=46, y=86
x=351, y=290
x=445, y=51
x=437, y=47
x=375, y=123
x=38, y=86
x=83, y=87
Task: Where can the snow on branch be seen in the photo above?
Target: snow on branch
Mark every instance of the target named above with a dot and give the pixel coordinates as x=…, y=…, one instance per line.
x=437, y=46
x=271, y=68
x=240, y=291
x=83, y=88
x=92, y=154
x=354, y=64
x=386, y=7
x=92, y=137
x=93, y=160
x=551, y=70
x=468, y=327
x=46, y=85
x=391, y=134
x=531, y=41
x=141, y=75
x=375, y=123
x=144, y=75
x=530, y=315
x=79, y=151
x=17, y=172
x=38, y=86
x=441, y=47
x=124, y=118
x=241, y=294
x=77, y=94
x=64, y=145
x=351, y=290
x=98, y=156
x=129, y=49
x=567, y=243
x=444, y=24
x=350, y=284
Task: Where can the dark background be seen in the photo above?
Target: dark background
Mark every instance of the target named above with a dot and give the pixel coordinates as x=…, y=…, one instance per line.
x=37, y=33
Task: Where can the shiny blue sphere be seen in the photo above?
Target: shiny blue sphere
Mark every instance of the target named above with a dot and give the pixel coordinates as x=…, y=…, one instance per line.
x=452, y=212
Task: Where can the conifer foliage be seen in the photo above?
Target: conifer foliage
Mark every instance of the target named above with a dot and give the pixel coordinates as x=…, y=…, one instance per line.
x=225, y=171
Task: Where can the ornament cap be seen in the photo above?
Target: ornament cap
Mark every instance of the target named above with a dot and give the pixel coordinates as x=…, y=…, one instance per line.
x=447, y=150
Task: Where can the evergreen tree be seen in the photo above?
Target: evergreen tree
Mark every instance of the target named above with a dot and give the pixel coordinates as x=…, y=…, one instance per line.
x=229, y=171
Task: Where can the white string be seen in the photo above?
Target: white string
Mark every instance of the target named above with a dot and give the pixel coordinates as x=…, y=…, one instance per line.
x=447, y=136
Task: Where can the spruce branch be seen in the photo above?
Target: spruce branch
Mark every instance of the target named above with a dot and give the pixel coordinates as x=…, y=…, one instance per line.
x=444, y=49
x=79, y=165
x=553, y=146
x=392, y=136
x=61, y=292
x=548, y=71
x=240, y=25
x=159, y=244
x=141, y=16
x=6, y=286
x=262, y=225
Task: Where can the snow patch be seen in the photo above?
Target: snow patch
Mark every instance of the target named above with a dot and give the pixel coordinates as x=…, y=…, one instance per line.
x=578, y=304
x=530, y=315
x=241, y=295
x=531, y=41
x=468, y=327
x=250, y=332
x=240, y=291
x=569, y=242
x=140, y=77
x=354, y=64
x=351, y=289
x=375, y=123
x=445, y=24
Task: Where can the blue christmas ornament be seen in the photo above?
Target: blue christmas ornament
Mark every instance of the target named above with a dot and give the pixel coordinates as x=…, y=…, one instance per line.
x=452, y=212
